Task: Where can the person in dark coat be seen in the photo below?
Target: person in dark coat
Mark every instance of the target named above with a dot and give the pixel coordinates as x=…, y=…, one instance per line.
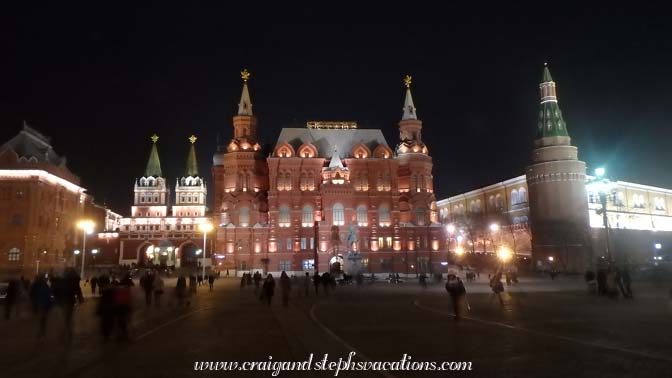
x=105, y=310
x=285, y=287
x=67, y=292
x=268, y=289
x=627, y=282
x=457, y=292
x=147, y=284
x=40, y=296
x=497, y=286
x=10, y=299
x=601, y=281
x=243, y=281
x=211, y=281
x=326, y=282
x=316, y=281
x=181, y=290
x=257, y=281
x=94, y=283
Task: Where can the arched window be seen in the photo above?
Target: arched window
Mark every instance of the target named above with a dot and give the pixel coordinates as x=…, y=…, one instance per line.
x=362, y=216
x=244, y=216
x=499, y=202
x=419, y=216
x=514, y=197
x=384, y=219
x=284, y=218
x=338, y=214
x=522, y=195
x=14, y=254
x=307, y=217
x=491, y=202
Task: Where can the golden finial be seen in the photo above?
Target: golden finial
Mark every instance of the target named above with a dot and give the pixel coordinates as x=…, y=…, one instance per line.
x=407, y=81
x=154, y=138
x=245, y=74
x=192, y=139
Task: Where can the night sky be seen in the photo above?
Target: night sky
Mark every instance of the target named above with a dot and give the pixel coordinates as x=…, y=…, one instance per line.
x=100, y=81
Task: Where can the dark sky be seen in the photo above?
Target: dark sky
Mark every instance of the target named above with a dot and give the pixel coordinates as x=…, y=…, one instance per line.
x=101, y=80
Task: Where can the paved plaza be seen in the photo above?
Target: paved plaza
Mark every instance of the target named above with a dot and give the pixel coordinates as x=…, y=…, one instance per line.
x=544, y=328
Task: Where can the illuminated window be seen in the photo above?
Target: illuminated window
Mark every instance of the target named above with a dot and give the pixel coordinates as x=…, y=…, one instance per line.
x=384, y=218
x=244, y=216
x=419, y=216
x=362, y=216
x=14, y=254
x=308, y=264
x=522, y=195
x=659, y=203
x=338, y=214
x=284, y=218
x=285, y=265
x=638, y=201
x=514, y=197
x=307, y=217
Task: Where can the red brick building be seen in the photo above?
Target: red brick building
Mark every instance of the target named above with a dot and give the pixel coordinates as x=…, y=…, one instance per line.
x=329, y=191
x=41, y=201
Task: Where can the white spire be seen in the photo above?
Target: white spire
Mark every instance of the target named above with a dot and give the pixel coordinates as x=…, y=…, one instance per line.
x=336, y=160
x=245, y=105
x=409, y=108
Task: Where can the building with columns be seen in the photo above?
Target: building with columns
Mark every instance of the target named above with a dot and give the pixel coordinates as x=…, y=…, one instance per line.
x=329, y=196
x=159, y=231
x=550, y=215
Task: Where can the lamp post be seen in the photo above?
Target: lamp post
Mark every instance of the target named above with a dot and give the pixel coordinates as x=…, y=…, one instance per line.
x=87, y=228
x=205, y=228
x=603, y=188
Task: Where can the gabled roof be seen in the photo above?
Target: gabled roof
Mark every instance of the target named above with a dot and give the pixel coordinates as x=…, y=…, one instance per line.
x=30, y=143
x=328, y=140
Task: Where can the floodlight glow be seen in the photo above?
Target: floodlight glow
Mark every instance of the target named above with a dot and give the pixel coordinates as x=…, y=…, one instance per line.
x=658, y=246
x=494, y=227
x=504, y=254
x=600, y=171
x=450, y=228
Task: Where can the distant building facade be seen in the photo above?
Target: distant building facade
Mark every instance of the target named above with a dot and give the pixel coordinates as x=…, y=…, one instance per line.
x=41, y=201
x=550, y=213
x=160, y=231
x=329, y=192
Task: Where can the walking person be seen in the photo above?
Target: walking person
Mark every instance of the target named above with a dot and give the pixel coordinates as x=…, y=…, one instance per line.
x=106, y=309
x=627, y=282
x=316, y=281
x=94, y=283
x=285, y=287
x=306, y=284
x=268, y=289
x=325, y=279
x=67, y=292
x=12, y=295
x=211, y=281
x=146, y=282
x=157, y=286
x=257, y=281
x=40, y=296
x=243, y=281
x=497, y=286
x=192, y=286
x=457, y=292
x=227, y=272
x=181, y=290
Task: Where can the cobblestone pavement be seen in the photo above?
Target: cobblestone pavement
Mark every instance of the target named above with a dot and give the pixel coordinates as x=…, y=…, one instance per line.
x=544, y=329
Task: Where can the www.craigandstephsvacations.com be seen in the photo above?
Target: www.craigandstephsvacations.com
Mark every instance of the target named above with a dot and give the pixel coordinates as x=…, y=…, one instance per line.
x=406, y=363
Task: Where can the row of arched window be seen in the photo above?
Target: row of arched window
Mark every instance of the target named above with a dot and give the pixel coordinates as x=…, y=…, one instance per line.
x=338, y=215
x=190, y=198
x=149, y=198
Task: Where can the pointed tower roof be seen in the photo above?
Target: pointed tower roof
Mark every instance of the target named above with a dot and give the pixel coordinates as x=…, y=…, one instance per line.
x=153, y=164
x=192, y=165
x=245, y=105
x=335, y=161
x=409, y=107
x=550, y=123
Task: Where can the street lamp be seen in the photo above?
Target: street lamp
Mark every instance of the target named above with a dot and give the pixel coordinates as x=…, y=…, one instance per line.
x=87, y=228
x=205, y=228
x=504, y=254
x=603, y=188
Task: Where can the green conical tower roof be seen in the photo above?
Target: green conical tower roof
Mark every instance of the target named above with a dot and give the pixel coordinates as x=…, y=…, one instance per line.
x=550, y=123
x=153, y=164
x=192, y=165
